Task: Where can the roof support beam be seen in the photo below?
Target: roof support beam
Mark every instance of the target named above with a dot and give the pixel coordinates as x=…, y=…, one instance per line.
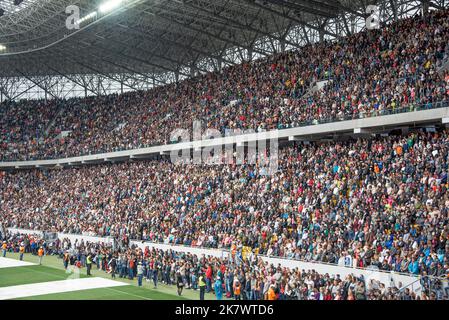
x=239, y=25
x=286, y=16
x=146, y=35
x=204, y=32
x=74, y=80
x=39, y=84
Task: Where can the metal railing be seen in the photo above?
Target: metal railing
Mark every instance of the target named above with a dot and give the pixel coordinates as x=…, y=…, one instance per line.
x=411, y=107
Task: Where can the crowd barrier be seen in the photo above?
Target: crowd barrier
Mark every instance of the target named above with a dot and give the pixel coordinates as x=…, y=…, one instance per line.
x=390, y=279
x=439, y=113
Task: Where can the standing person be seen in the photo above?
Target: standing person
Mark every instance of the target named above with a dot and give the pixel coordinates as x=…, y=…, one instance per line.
x=202, y=286
x=89, y=264
x=40, y=254
x=131, y=268
x=193, y=279
x=21, y=251
x=121, y=266
x=113, y=266
x=179, y=282
x=149, y=270
x=237, y=289
x=66, y=259
x=155, y=274
x=4, y=247
x=271, y=293
x=218, y=287
x=209, y=273
x=139, y=274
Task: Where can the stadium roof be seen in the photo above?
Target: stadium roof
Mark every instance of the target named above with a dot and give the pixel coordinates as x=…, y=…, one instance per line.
x=148, y=36
x=138, y=44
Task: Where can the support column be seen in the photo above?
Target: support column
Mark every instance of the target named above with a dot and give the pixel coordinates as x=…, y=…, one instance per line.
x=321, y=34
x=192, y=70
x=249, y=55
x=282, y=42
x=394, y=8
x=425, y=7
x=219, y=63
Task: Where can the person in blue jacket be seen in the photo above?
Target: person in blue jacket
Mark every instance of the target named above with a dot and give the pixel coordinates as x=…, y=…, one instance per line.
x=218, y=287
x=413, y=267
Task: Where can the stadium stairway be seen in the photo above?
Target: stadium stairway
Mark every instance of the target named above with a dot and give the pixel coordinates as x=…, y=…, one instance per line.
x=315, y=87
x=444, y=65
x=52, y=122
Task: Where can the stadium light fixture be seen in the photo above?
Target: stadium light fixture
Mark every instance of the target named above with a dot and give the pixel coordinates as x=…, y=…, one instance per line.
x=87, y=17
x=109, y=5
x=2, y=47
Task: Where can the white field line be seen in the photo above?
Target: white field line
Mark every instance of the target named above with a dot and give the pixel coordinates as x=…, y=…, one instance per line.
x=129, y=294
x=37, y=289
x=9, y=263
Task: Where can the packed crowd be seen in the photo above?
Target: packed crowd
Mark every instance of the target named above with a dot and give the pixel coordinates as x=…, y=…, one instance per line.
x=370, y=73
x=231, y=277
x=381, y=201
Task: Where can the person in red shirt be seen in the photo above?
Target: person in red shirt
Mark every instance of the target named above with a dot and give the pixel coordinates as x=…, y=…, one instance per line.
x=209, y=273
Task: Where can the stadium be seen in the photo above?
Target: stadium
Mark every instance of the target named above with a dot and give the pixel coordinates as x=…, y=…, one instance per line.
x=253, y=150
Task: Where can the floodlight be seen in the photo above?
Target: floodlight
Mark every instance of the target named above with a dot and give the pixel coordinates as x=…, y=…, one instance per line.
x=109, y=5
x=87, y=17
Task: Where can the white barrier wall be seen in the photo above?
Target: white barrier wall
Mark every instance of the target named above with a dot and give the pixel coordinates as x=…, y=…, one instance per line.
x=198, y=251
x=388, y=278
x=348, y=126
x=71, y=237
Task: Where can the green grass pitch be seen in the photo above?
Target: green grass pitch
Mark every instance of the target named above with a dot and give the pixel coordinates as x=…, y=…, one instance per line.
x=52, y=270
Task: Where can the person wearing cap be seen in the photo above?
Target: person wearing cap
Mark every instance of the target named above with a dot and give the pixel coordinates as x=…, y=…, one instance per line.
x=4, y=247
x=40, y=254
x=21, y=251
